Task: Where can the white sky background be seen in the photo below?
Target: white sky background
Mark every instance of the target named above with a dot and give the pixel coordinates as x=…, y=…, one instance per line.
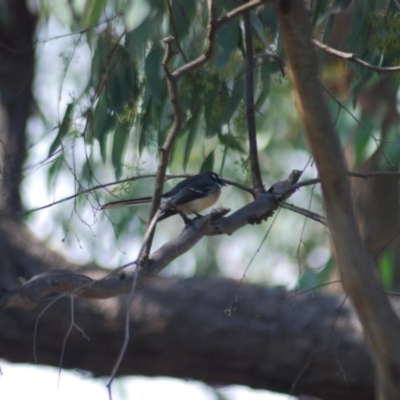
x=20, y=381
x=23, y=381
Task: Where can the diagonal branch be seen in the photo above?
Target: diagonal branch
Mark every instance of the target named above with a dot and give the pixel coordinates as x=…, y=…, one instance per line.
x=379, y=320
x=28, y=295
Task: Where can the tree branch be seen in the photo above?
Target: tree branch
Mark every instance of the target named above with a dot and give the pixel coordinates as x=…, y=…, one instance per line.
x=271, y=339
x=28, y=295
x=351, y=57
x=307, y=213
x=380, y=322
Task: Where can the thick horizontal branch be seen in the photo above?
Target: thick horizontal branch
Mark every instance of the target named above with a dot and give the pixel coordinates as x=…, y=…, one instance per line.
x=307, y=344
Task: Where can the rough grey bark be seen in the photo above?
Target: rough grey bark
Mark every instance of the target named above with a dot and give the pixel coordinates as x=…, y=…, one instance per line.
x=211, y=330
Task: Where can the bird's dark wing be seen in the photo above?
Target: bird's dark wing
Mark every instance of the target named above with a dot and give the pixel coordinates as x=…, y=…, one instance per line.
x=187, y=194
x=180, y=186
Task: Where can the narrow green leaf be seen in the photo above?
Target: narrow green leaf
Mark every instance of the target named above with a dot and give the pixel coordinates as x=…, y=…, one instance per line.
x=226, y=42
x=103, y=122
x=265, y=76
x=183, y=12
x=121, y=135
x=208, y=163
x=258, y=27
x=268, y=18
x=153, y=71
x=355, y=40
x=235, y=97
x=136, y=42
x=363, y=142
x=99, y=60
x=193, y=125
x=212, y=113
x=260, y=99
x=122, y=84
x=224, y=155
x=145, y=127
x=213, y=109
x=54, y=169
x=63, y=130
x=94, y=9
x=231, y=142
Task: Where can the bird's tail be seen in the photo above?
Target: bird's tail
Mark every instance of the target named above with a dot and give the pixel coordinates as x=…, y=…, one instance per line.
x=126, y=203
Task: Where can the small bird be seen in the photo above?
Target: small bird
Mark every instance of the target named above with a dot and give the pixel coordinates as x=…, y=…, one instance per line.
x=189, y=196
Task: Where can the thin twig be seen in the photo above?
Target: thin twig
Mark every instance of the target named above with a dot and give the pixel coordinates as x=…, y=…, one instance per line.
x=351, y=57
x=306, y=213
x=101, y=186
x=307, y=182
x=370, y=174
x=126, y=334
x=229, y=16
x=173, y=25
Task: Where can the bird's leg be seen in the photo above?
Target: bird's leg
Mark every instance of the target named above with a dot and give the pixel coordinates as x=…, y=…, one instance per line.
x=184, y=216
x=173, y=207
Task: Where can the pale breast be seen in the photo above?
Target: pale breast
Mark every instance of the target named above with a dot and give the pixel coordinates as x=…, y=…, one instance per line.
x=200, y=204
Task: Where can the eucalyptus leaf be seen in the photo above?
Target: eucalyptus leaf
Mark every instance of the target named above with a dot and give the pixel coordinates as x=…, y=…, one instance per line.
x=208, y=163
x=259, y=28
x=153, y=71
x=63, y=129
x=120, y=139
x=226, y=43
x=103, y=121
x=235, y=97
x=193, y=124
x=93, y=12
